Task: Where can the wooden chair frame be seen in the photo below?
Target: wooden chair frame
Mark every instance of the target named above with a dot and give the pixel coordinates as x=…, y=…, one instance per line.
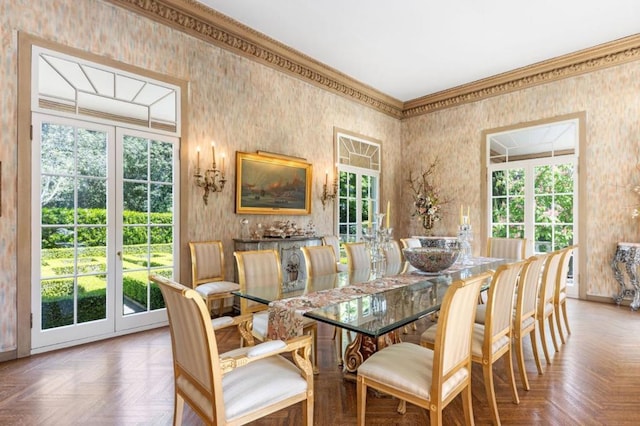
x=196, y=280
x=199, y=368
x=459, y=302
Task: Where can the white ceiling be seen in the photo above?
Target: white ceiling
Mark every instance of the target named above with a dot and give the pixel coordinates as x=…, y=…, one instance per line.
x=412, y=48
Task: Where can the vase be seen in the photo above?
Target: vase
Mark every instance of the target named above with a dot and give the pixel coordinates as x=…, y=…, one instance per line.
x=427, y=223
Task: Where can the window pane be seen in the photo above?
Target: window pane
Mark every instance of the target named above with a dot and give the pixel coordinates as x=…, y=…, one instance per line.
x=162, y=162
x=92, y=153
x=516, y=209
x=134, y=158
x=564, y=178
x=499, y=183
x=544, y=208
x=58, y=149
x=134, y=197
x=516, y=182
x=92, y=298
x=499, y=211
x=543, y=180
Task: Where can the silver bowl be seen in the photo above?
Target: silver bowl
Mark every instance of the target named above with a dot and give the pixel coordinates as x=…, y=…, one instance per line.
x=431, y=259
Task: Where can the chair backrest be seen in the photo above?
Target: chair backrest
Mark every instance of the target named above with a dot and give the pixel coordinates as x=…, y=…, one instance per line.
x=499, y=310
x=529, y=286
x=207, y=262
x=392, y=253
x=334, y=242
x=258, y=269
x=197, y=373
x=549, y=277
x=357, y=256
x=452, y=345
x=563, y=270
x=507, y=248
x=319, y=260
x=410, y=242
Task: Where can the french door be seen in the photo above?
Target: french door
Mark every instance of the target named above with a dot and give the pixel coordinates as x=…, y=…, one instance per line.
x=358, y=199
x=536, y=199
x=103, y=219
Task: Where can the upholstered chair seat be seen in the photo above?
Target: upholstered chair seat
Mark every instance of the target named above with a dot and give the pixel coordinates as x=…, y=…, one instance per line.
x=207, y=273
x=235, y=387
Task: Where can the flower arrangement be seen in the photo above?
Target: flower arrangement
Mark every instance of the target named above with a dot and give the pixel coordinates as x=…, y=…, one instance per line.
x=426, y=201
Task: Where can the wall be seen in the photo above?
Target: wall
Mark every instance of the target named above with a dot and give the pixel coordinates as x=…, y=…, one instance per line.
x=240, y=104
x=610, y=100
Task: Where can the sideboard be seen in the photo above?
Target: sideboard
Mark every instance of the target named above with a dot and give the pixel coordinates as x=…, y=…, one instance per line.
x=293, y=265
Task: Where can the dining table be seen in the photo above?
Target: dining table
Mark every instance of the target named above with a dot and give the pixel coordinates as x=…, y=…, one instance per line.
x=373, y=307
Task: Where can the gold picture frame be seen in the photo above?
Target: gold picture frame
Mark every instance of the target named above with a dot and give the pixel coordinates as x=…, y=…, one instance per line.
x=272, y=184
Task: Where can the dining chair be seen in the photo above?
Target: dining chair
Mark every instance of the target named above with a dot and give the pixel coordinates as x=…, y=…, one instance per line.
x=319, y=261
x=545, y=302
x=207, y=273
x=428, y=378
x=392, y=253
x=262, y=269
x=525, y=320
x=560, y=294
x=507, y=248
x=410, y=242
x=334, y=242
x=358, y=257
x=239, y=386
x=492, y=340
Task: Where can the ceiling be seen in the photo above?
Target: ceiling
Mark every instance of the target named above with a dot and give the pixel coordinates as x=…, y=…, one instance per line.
x=412, y=48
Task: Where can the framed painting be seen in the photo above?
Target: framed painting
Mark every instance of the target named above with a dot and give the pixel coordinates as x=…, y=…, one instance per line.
x=267, y=184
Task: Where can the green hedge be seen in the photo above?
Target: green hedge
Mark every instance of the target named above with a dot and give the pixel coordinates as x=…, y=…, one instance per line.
x=60, y=312
x=95, y=236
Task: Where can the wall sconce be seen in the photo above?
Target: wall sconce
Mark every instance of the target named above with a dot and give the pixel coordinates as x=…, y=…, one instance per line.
x=213, y=179
x=326, y=195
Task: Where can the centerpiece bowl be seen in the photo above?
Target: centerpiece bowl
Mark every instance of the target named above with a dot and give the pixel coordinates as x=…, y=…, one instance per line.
x=431, y=259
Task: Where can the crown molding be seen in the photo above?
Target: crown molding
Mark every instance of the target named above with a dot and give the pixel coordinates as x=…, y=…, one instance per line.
x=202, y=22
x=584, y=61
x=206, y=24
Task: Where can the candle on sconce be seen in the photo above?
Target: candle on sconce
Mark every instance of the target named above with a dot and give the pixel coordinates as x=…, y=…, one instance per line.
x=213, y=152
x=468, y=215
x=198, y=158
x=326, y=177
x=223, y=164
x=461, y=217
x=370, y=207
x=388, y=213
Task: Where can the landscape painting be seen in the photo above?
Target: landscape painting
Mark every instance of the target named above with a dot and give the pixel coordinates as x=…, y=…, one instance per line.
x=272, y=184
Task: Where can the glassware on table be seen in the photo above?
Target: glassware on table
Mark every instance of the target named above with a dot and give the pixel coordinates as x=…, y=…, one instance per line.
x=465, y=236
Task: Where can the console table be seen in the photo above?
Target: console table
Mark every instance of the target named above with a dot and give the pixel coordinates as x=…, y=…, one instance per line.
x=629, y=255
x=293, y=266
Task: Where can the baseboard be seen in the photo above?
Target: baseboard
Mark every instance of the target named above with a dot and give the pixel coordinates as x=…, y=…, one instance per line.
x=8, y=356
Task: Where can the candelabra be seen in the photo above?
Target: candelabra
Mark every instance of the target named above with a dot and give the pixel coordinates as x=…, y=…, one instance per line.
x=212, y=180
x=465, y=236
x=377, y=239
x=326, y=195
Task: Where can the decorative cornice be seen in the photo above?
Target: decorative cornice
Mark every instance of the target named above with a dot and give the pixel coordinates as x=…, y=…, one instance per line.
x=202, y=22
x=585, y=61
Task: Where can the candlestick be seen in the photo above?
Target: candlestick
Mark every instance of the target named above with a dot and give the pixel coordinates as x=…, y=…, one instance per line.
x=213, y=152
x=198, y=158
x=223, y=164
x=388, y=213
x=326, y=177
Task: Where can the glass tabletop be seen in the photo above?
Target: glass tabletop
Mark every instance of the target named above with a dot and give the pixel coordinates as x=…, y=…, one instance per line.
x=379, y=313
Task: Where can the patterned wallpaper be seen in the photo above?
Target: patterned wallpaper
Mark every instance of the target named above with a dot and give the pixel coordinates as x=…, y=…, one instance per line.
x=245, y=106
x=612, y=106
x=242, y=105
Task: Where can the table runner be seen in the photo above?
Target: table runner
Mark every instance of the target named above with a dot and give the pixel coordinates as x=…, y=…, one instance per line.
x=286, y=315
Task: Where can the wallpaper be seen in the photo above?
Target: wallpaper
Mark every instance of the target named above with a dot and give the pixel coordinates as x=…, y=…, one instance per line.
x=245, y=106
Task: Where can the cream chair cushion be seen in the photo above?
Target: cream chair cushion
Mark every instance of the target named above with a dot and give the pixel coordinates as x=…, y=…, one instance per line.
x=413, y=374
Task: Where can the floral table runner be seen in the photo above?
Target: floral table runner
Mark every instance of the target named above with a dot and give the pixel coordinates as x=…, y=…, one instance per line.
x=286, y=315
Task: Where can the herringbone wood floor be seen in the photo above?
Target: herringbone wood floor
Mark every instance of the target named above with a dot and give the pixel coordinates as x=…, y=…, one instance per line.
x=593, y=380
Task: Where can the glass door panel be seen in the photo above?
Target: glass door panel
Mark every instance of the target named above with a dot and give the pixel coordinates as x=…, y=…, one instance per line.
x=148, y=221
x=70, y=272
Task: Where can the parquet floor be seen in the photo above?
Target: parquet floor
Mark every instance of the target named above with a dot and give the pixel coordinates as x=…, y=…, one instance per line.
x=593, y=380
